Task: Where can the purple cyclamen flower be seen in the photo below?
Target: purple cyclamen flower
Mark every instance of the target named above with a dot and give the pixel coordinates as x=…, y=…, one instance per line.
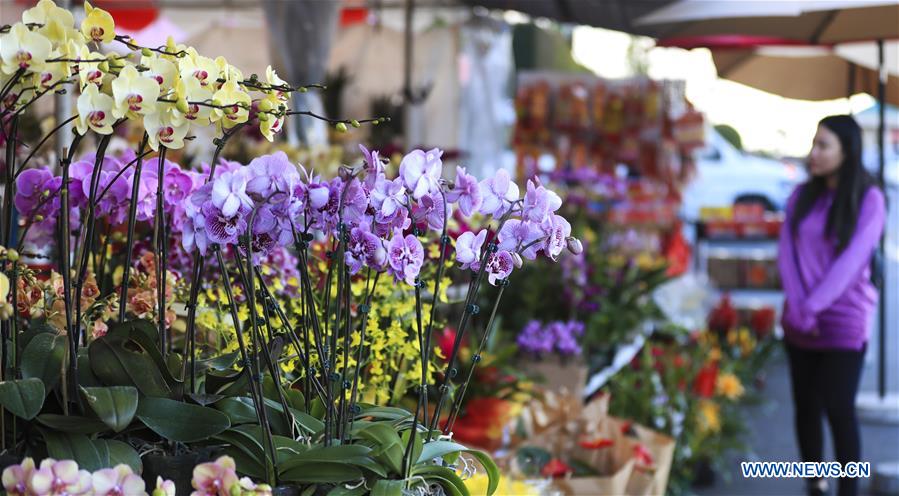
x=405, y=256
x=467, y=192
x=498, y=193
x=517, y=235
x=539, y=202
x=468, y=249
x=421, y=171
x=229, y=193
x=388, y=198
x=557, y=230
x=364, y=248
x=499, y=266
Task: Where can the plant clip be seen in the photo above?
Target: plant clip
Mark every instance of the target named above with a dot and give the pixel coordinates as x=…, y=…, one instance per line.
x=472, y=309
x=492, y=247
x=363, y=308
x=453, y=373
x=476, y=358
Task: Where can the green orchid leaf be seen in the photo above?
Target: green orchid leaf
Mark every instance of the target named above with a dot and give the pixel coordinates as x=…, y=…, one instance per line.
x=115, y=405
x=71, y=424
x=43, y=358
x=181, y=422
x=23, y=398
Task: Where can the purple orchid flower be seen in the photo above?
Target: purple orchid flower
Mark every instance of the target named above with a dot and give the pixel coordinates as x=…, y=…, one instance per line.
x=539, y=202
x=431, y=211
x=421, y=171
x=557, y=230
x=520, y=236
x=498, y=193
x=467, y=192
x=221, y=228
x=468, y=249
x=388, y=198
x=364, y=248
x=374, y=168
x=229, y=193
x=271, y=174
x=405, y=256
x=499, y=266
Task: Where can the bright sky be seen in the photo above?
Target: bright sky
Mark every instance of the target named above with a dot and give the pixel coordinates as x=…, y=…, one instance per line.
x=765, y=121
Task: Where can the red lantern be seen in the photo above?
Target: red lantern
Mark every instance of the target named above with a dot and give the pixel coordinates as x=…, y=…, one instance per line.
x=133, y=15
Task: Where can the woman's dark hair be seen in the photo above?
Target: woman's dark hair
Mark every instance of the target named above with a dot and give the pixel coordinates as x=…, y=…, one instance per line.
x=852, y=183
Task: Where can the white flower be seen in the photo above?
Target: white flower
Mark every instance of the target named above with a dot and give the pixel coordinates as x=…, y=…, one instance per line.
x=88, y=68
x=163, y=71
x=194, y=65
x=190, y=92
x=21, y=48
x=272, y=77
x=51, y=73
x=58, y=23
x=164, y=129
x=236, y=104
x=226, y=72
x=94, y=111
x=134, y=94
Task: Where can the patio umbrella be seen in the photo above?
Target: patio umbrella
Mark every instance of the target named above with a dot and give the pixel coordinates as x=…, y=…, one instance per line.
x=819, y=72
x=812, y=21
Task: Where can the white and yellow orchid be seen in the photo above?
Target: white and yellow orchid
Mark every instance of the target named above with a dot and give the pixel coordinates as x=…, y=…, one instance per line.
x=226, y=72
x=58, y=23
x=162, y=70
x=133, y=93
x=94, y=111
x=90, y=67
x=22, y=48
x=236, y=103
x=273, y=80
x=188, y=92
x=98, y=26
x=269, y=123
x=163, y=129
x=197, y=66
x=52, y=72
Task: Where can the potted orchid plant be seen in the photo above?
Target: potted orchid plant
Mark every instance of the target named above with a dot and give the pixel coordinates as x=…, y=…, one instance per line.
x=164, y=326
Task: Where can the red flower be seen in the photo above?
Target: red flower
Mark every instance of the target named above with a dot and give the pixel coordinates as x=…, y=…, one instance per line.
x=762, y=322
x=724, y=316
x=704, y=385
x=445, y=341
x=644, y=457
x=555, y=468
x=597, y=443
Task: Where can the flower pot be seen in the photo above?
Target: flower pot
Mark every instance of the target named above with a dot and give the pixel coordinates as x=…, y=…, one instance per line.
x=177, y=468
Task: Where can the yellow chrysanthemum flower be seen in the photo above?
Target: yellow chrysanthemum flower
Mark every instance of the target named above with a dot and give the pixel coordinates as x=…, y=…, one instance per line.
x=709, y=416
x=729, y=386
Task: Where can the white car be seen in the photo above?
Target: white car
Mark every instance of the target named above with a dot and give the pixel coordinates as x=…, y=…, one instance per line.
x=725, y=176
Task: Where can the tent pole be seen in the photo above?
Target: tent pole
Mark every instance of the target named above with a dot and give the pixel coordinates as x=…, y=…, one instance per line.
x=881, y=332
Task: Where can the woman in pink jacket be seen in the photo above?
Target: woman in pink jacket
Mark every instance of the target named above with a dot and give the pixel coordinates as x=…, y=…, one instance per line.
x=833, y=225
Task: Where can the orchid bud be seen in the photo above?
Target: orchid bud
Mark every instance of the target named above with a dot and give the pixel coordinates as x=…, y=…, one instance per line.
x=575, y=246
x=341, y=127
x=146, y=52
x=262, y=117
x=103, y=66
x=38, y=218
x=216, y=102
x=265, y=105
x=375, y=122
x=45, y=193
x=182, y=106
x=12, y=255
x=235, y=490
x=516, y=260
x=158, y=492
x=355, y=123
